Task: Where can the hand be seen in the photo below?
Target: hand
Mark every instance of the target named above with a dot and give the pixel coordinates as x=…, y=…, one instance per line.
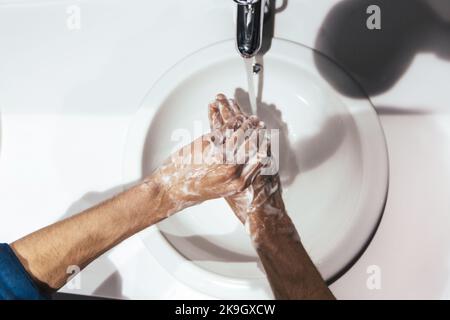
x=262, y=200
x=215, y=165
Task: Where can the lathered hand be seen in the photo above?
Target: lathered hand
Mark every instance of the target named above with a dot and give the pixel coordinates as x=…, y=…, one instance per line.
x=215, y=165
x=260, y=206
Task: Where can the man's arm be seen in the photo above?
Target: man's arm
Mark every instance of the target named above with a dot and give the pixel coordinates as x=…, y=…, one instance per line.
x=179, y=183
x=290, y=271
x=78, y=240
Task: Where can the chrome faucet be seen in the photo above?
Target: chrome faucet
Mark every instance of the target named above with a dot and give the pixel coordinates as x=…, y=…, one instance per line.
x=249, y=28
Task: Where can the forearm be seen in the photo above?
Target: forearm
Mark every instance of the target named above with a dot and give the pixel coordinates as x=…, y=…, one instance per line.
x=78, y=240
x=290, y=271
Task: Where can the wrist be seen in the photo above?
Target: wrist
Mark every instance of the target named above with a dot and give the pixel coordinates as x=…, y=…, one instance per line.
x=267, y=229
x=160, y=205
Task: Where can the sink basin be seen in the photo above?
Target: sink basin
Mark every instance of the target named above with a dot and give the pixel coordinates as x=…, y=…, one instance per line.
x=333, y=165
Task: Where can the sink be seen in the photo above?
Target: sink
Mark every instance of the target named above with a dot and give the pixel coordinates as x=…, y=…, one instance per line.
x=333, y=165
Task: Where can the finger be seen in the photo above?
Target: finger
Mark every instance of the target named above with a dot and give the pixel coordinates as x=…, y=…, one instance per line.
x=256, y=123
x=235, y=123
x=243, y=130
x=265, y=157
x=251, y=171
x=264, y=145
x=224, y=106
x=235, y=107
x=261, y=125
x=244, y=122
x=248, y=149
x=235, y=142
x=257, y=147
x=215, y=119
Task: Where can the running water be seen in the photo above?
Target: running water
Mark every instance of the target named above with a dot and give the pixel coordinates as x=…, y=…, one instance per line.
x=251, y=84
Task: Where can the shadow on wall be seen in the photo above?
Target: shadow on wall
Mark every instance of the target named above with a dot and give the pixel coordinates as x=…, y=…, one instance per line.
x=377, y=59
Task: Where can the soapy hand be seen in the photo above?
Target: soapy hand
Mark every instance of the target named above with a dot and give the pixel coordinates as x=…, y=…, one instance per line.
x=261, y=204
x=215, y=165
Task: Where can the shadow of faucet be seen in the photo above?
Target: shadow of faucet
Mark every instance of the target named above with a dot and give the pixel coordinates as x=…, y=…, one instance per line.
x=269, y=23
x=377, y=59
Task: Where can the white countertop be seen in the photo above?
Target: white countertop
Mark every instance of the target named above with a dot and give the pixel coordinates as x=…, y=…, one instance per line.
x=67, y=96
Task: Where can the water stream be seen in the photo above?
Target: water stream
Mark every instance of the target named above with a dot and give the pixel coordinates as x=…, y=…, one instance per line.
x=251, y=84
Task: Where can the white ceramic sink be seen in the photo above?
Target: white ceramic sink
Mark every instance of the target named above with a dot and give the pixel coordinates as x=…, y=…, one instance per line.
x=333, y=166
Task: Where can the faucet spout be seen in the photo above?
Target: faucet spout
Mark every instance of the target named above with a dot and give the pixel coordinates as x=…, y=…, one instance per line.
x=249, y=28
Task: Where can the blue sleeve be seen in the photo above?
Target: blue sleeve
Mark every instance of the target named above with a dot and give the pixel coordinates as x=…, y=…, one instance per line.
x=15, y=282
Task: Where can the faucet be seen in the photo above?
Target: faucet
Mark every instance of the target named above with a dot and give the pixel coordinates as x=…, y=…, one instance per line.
x=249, y=28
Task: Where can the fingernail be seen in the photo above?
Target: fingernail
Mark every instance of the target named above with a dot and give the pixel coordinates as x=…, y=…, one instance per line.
x=220, y=96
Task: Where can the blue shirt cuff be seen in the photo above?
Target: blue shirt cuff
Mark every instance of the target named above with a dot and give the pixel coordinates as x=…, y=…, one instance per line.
x=15, y=282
